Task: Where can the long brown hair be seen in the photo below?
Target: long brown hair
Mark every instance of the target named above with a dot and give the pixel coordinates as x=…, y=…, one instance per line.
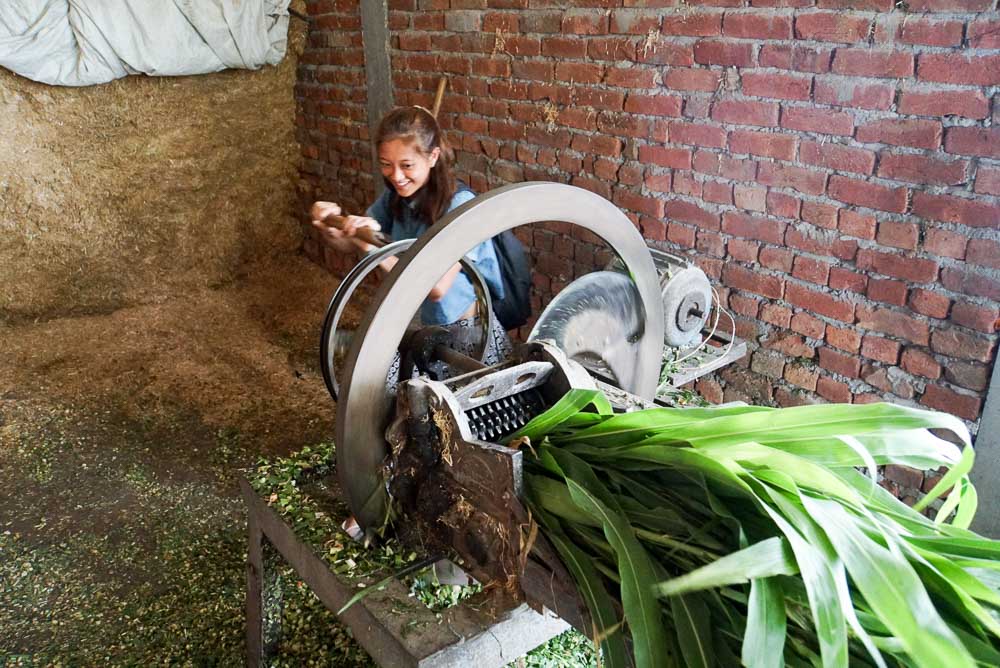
x=417, y=125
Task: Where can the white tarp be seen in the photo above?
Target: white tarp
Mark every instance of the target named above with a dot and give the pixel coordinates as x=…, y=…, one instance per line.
x=86, y=42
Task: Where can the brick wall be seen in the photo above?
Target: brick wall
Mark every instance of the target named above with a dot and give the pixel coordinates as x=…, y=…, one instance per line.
x=833, y=164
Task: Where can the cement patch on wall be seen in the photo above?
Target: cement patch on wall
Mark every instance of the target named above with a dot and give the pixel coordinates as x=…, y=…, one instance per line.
x=140, y=189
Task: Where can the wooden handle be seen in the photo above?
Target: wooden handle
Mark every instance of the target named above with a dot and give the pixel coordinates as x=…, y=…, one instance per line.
x=439, y=96
x=373, y=237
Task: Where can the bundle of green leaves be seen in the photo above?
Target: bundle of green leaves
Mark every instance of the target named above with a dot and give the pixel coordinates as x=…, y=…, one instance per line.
x=720, y=536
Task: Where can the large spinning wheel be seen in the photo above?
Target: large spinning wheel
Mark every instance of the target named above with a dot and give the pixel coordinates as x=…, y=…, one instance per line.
x=364, y=406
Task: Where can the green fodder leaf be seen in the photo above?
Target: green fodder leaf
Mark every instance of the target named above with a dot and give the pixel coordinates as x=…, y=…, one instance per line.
x=917, y=448
x=764, y=640
x=607, y=626
x=642, y=612
x=891, y=588
x=814, y=421
x=628, y=428
x=571, y=403
x=761, y=560
x=954, y=476
x=693, y=625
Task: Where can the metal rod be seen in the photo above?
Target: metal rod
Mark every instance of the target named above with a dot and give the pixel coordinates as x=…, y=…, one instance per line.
x=456, y=359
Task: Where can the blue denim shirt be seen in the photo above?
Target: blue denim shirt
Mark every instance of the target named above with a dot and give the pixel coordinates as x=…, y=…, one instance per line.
x=458, y=299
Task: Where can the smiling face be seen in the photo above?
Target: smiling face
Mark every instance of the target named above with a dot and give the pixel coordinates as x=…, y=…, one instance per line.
x=404, y=166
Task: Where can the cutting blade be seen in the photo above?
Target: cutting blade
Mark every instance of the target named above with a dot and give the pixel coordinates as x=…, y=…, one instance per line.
x=597, y=320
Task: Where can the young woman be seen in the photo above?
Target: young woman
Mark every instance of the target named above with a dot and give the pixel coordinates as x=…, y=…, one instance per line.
x=420, y=188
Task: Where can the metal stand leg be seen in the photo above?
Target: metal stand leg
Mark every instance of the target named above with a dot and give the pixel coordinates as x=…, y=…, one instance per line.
x=255, y=587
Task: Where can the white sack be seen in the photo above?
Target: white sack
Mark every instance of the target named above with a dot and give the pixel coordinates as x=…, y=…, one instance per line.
x=86, y=42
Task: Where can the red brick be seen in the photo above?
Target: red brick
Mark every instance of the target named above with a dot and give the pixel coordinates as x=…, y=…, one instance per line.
x=801, y=376
x=753, y=227
x=564, y=47
x=779, y=259
x=929, y=303
x=831, y=27
x=988, y=180
x=973, y=141
x=780, y=86
x=956, y=210
x=894, y=323
x=915, y=133
x=856, y=5
x=916, y=168
x=835, y=156
x=742, y=250
x=971, y=282
x=757, y=25
x=533, y=71
x=898, y=235
x=819, y=302
x=779, y=204
x=662, y=53
x=690, y=79
x=963, y=405
x=953, y=342
x=658, y=182
x=813, y=327
x=862, y=193
x=844, y=279
x=623, y=125
x=975, y=316
x=887, y=291
x=632, y=77
x=820, y=214
x=822, y=121
x=584, y=22
x=944, y=102
x=651, y=206
x=945, y=243
x=692, y=24
x=879, y=349
x=744, y=305
x=984, y=253
x=928, y=32
x=969, y=375
x=696, y=134
x=984, y=34
x=677, y=158
x=730, y=54
x=767, y=144
x=918, y=362
x=607, y=100
x=843, y=92
x=579, y=72
x=916, y=270
x=693, y=214
x=956, y=68
x=624, y=48
x=749, y=198
x=838, y=362
x=681, y=235
x=745, y=112
x=714, y=244
x=718, y=192
x=741, y=278
x=776, y=314
x=706, y=162
x=799, y=58
x=856, y=224
x=634, y=21
x=869, y=63
x=655, y=105
x=804, y=180
x=833, y=390
x=820, y=242
x=847, y=338
x=813, y=271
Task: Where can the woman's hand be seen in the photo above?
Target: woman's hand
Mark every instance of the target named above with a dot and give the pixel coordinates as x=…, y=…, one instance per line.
x=341, y=233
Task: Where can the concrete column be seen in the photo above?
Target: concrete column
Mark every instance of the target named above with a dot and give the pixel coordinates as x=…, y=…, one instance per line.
x=378, y=76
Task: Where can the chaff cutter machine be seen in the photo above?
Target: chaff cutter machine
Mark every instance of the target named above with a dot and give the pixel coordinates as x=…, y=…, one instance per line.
x=426, y=452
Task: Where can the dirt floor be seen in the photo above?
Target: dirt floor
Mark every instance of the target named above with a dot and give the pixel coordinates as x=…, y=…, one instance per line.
x=122, y=538
x=122, y=535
